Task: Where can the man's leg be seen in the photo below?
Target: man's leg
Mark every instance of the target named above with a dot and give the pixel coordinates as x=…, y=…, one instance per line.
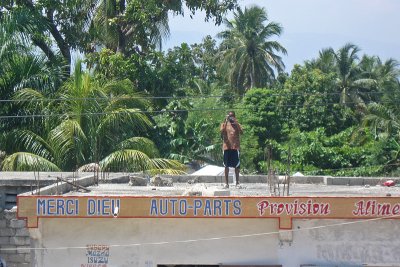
x=237, y=175
x=226, y=176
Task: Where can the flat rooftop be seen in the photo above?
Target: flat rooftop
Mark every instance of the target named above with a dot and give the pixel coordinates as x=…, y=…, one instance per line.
x=117, y=184
x=247, y=189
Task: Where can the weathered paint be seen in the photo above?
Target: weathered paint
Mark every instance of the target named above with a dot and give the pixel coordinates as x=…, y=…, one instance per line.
x=147, y=242
x=285, y=209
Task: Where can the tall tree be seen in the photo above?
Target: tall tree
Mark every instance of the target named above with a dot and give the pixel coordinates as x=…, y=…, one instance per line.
x=351, y=83
x=324, y=62
x=56, y=26
x=64, y=26
x=22, y=66
x=248, y=56
x=94, y=123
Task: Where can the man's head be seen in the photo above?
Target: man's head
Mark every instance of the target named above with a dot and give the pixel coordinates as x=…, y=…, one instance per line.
x=231, y=116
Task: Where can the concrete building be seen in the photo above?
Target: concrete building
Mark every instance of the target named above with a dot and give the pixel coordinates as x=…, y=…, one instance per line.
x=195, y=222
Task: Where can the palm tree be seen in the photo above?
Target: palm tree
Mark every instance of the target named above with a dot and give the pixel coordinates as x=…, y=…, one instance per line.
x=325, y=61
x=22, y=66
x=87, y=123
x=352, y=83
x=248, y=56
x=387, y=75
x=382, y=120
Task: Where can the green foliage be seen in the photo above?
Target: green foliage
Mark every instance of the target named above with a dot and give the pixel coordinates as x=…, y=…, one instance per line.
x=309, y=100
x=181, y=71
x=248, y=56
x=98, y=123
x=260, y=112
x=316, y=153
x=23, y=161
x=187, y=139
x=261, y=123
x=337, y=114
x=134, y=25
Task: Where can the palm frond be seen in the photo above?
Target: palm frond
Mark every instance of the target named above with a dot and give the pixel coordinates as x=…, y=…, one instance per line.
x=160, y=163
x=29, y=141
x=68, y=141
x=165, y=171
x=143, y=144
x=123, y=118
x=126, y=160
x=24, y=161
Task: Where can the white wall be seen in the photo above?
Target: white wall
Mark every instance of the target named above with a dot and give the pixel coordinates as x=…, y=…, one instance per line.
x=345, y=245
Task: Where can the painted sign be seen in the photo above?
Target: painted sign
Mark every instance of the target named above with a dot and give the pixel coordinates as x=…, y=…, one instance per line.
x=285, y=209
x=97, y=255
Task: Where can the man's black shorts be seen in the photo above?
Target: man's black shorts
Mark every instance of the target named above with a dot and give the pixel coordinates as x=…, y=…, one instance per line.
x=231, y=158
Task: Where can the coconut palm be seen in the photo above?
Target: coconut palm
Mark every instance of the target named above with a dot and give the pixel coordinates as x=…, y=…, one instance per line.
x=22, y=66
x=352, y=83
x=324, y=62
x=382, y=120
x=87, y=123
x=384, y=123
x=387, y=75
x=248, y=56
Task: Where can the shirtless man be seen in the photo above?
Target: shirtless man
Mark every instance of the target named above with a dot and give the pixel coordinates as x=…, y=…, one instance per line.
x=231, y=131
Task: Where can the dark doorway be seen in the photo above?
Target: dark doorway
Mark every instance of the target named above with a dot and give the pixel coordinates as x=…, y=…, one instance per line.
x=185, y=265
x=223, y=265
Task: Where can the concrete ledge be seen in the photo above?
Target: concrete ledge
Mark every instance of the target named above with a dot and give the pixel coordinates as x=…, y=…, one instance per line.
x=216, y=178
x=327, y=180
x=308, y=179
x=63, y=187
x=358, y=180
x=216, y=193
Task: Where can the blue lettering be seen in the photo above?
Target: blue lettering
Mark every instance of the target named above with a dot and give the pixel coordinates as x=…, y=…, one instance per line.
x=173, y=202
x=207, y=208
x=164, y=211
x=41, y=207
x=60, y=207
x=91, y=207
x=76, y=206
x=50, y=206
x=237, y=210
x=115, y=205
x=197, y=205
x=227, y=204
x=217, y=207
x=106, y=207
x=69, y=203
x=153, y=208
x=182, y=207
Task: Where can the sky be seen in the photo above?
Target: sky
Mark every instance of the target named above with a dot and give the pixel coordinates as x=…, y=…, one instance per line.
x=311, y=25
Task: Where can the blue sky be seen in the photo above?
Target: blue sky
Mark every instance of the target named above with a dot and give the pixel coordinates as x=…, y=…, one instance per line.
x=311, y=25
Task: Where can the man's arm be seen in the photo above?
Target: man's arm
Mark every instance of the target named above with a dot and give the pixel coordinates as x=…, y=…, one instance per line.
x=237, y=126
x=222, y=129
x=240, y=128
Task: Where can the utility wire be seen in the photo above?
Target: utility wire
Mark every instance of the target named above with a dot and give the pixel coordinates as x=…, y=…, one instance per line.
x=170, y=97
x=358, y=221
x=183, y=110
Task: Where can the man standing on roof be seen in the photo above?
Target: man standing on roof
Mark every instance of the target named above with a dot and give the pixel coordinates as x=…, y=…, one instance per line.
x=230, y=132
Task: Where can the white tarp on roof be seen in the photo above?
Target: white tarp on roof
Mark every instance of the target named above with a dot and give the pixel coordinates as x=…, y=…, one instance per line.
x=211, y=170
